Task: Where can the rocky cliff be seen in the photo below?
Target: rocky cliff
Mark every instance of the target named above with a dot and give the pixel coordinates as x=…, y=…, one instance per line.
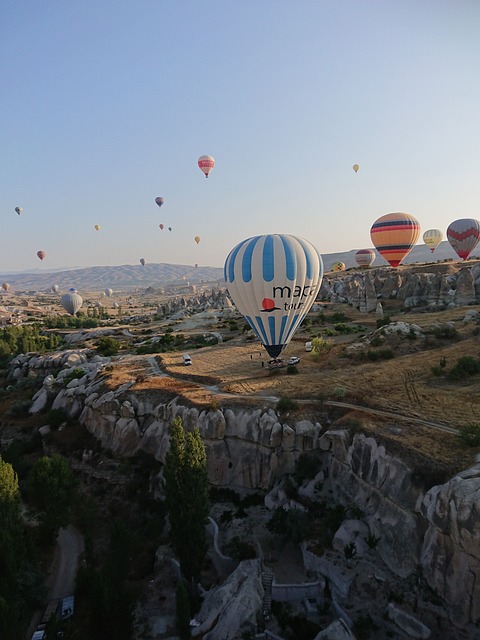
x=435, y=528
x=431, y=286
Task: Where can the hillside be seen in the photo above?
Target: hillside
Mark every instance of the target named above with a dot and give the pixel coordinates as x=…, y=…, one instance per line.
x=159, y=274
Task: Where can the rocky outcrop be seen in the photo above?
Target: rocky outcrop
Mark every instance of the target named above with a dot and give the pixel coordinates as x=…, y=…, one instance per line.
x=232, y=606
x=417, y=288
x=435, y=528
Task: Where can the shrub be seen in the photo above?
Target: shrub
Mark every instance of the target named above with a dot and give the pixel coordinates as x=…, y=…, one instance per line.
x=73, y=375
x=107, y=346
x=445, y=332
x=240, y=550
x=350, y=550
x=470, y=434
x=380, y=354
x=382, y=322
x=306, y=467
x=292, y=370
x=339, y=393
x=286, y=404
x=465, y=367
x=372, y=541
x=56, y=417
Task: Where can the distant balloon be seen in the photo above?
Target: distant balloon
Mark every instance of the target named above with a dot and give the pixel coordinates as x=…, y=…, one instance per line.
x=161, y=226
x=273, y=281
x=115, y=305
x=394, y=235
x=18, y=210
x=98, y=304
x=108, y=292
x=97, y=227
x=169, y=228
x=206, y=164
x=356, y=167
x=338, y=266
x=71, y=301
x=365, y=257
x=463, y=235
x=103, y=294
x=159, y=201
x=41, y=254
x=142, y=261
x=197, y=239
x=5, y=286
x=54, y=288
x=196, y=266
x=432, y=238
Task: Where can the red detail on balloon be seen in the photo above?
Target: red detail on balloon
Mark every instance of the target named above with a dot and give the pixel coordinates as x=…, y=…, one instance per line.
x=268, y=304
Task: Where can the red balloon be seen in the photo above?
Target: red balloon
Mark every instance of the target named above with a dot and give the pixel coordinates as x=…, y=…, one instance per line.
x=41, y=254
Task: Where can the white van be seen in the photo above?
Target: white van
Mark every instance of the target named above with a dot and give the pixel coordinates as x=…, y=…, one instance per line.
x=186, y=359
x=308, y=346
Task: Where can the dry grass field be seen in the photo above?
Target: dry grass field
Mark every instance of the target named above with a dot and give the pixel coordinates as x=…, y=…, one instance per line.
x=231, y=372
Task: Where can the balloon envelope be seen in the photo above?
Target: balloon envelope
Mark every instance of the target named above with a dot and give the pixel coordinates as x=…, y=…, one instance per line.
x=273, y=281
x=161, y=226
x=432, y=238
x=142, y=261
x=365, y=257
x=197, y=239
x=41, y=254
x=108, y=292
x=206, y=164
x=97, y=227
x=356, y=167
x=54, y=288
x=169, y=228
x=394, y=235
x=159, y=201
x=338, y=266
x=5, y=286
x=71, y=302
x=463, y=235
x=18, y=210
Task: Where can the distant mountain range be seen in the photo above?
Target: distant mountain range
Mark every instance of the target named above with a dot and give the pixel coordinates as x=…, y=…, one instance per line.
x=127, y=276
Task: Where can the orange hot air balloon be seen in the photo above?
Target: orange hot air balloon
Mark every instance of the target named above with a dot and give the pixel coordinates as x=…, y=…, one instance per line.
x=356, y=167
x=394, y=235
x=197, y=239
x=41, y=254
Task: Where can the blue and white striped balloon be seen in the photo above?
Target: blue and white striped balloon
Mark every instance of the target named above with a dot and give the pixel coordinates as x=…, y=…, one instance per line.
x=273, y=281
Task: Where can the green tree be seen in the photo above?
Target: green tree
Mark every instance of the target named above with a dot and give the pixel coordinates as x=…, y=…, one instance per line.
x=183, y=611
x=186, y=489
x=107, y=346
x=52, y=491
x=19, y=579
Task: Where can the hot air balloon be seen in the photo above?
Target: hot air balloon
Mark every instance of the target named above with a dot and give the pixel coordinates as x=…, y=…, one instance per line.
x=98, y=304
x=394, y=235
x=142, y=261
x=115, y=305
x=159, y=201
x=108, y=292
x=71, y=301
x=5, y=286
x=356, y=167
x=206, y=164
x=365, y=257
x=169, y=228
x=161, y=226
x=54, y=288
x=273, y=281
x=338, y=266
x=463, y=235
x=432, y=238
x=18, y=210
x=197, y=239
x=97, y=227
x=41, y=254
x=196, y=266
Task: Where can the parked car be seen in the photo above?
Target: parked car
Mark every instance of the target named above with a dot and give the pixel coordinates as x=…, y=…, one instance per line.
x=308, y=346
x=186, y=359
x=293, y=360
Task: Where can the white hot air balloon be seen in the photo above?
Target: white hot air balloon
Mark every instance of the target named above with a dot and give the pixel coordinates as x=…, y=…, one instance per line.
x=108, y=292
x=273, y=281
x=55, y=288
x=71, y=301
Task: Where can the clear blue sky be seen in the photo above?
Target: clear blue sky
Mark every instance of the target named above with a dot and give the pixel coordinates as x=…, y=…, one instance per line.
x=106, y=105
